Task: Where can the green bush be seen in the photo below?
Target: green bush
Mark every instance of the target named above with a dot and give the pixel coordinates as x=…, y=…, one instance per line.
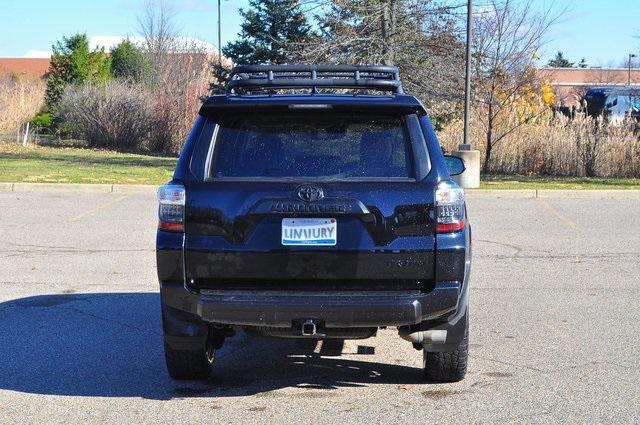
x=128, y=62
x=73, y=62
x=43, y=120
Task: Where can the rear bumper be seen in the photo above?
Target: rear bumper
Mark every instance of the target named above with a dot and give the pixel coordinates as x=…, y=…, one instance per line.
x=333, y=310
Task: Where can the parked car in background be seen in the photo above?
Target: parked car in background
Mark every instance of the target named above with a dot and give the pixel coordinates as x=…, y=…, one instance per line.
x=614, y=102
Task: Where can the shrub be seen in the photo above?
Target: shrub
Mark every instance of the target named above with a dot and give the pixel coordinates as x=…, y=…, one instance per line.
x=42, y=120
x=20, y=100
x=155, y=115
x=73, y=62
x=128, y=62
x=114, y=114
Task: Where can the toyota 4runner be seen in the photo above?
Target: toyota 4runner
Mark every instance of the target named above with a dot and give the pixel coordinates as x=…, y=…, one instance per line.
x=313, y=202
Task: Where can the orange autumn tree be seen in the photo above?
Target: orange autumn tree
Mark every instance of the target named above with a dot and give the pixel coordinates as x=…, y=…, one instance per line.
x=548, y=96
x=506, y=37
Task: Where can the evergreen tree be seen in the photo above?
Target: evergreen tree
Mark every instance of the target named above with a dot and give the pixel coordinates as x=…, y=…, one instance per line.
x=560, y=61
x=73, y=62
x=583, y=63
x=269, y=33
x=128, y=62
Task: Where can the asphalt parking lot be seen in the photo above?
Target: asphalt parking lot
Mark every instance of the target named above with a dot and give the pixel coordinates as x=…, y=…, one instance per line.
x=555, y=307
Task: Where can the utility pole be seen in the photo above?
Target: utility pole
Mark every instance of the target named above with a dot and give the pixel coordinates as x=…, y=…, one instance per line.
x=219, y=36
x=631, y=55
x=467, y=77
x=470, y=178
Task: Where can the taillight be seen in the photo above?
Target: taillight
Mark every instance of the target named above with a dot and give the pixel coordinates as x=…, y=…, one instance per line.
x=449, y=207
x=171, y=198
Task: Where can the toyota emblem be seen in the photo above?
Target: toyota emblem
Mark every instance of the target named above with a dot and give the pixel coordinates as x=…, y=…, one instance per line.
x=310, y=193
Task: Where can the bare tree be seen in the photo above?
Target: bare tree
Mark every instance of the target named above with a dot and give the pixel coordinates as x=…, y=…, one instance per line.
x=184, y=81
x=507, y=36
x=180, y=74
x=421, y=37
x=157, y=26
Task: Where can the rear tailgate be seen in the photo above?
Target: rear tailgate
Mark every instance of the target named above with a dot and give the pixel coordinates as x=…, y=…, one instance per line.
x=384, y=239
x=359, y=172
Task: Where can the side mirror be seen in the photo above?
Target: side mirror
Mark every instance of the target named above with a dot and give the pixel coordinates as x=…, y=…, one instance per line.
x=455, y=165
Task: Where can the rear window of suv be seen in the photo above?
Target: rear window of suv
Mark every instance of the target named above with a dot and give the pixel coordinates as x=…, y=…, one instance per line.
x=311, y=144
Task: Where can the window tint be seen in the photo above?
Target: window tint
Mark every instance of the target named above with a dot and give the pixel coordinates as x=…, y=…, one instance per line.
x=297, y=144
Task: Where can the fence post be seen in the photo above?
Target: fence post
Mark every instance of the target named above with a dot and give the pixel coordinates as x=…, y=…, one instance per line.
x=26, y=135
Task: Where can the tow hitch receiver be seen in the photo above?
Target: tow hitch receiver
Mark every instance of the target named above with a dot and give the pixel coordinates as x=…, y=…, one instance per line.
x=309, y=328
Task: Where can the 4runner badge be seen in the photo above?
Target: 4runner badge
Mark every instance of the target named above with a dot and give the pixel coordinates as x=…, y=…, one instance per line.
x=310, y=193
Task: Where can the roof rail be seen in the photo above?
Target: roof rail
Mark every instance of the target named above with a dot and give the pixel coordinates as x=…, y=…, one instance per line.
x=248, y=78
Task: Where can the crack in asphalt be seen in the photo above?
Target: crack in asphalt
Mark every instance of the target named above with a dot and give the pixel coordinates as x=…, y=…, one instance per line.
x=517, y=248
x=76, y=249
x=558, y=369
x=109, y=320
x=575, y=257
x=61, y=301
x=24, y=283
x=516, y=365
x=66, y=251
x=546, y=289
x=41, y=246
x=528, y=252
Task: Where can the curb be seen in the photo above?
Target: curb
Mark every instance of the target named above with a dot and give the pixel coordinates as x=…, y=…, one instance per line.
x=589, y=194
x=57, y=187
x=134, y=188
x=471, y=193
x=501, y=194
x=78, y=187
x=553, y=194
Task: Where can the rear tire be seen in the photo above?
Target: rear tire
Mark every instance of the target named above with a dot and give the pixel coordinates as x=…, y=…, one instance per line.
x=190, y=364
x=448, y=366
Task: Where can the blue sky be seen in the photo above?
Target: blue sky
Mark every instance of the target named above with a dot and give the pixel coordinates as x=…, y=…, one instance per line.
x=602, y=31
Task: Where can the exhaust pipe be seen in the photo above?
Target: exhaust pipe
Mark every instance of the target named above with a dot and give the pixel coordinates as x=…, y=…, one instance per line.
x=436, y=336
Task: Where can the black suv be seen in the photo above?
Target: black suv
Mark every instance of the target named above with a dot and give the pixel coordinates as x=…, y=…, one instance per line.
x=328, y=212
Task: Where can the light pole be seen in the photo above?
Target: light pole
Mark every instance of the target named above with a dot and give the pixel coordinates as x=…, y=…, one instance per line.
x=631, y=55
x=470, y=178
x=467, y=78
x=219, y=36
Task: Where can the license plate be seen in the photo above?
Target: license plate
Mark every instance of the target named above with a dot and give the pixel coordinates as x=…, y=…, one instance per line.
x=309, y=231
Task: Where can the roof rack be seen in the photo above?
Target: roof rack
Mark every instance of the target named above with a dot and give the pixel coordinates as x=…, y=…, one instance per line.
x=248, y=78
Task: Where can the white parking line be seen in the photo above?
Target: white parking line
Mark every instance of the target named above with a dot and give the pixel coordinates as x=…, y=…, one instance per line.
x=558, y=214
x=98, y=208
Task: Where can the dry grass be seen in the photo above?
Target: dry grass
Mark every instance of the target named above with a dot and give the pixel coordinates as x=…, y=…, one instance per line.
x=20, y=100
x=559, y=147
